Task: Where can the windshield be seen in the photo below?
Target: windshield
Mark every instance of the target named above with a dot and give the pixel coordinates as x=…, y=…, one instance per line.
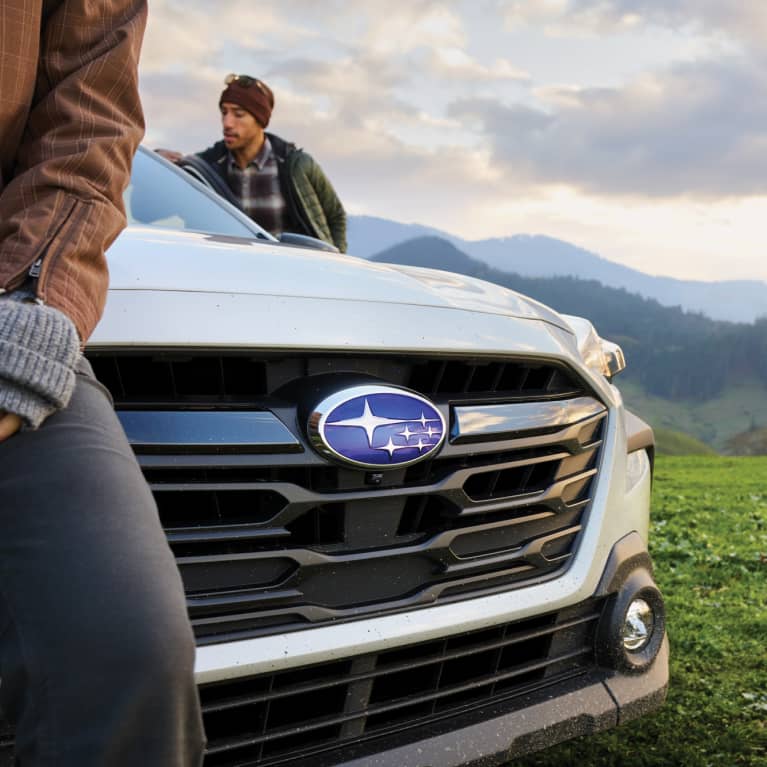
x=160, y=196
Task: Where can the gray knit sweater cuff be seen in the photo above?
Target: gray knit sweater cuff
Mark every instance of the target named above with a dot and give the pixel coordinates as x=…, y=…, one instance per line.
x=39, y=348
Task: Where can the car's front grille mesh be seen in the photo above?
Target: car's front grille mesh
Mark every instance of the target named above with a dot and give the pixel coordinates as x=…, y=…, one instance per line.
x=180, y=378
x=267, y=719
x=273, y=542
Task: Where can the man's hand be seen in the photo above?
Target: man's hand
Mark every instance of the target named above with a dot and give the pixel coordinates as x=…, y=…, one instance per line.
x=169, y=154
x=9, y=425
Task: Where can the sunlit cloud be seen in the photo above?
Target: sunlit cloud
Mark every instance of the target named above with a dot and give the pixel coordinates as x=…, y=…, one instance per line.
x=662, y=135
x=457, y=63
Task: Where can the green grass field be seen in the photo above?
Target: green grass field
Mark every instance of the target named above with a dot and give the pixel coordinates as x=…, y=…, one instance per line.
x=709, y=544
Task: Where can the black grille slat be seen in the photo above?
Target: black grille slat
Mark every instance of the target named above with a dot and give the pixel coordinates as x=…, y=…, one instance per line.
x=199, y=606
x=211, y=534
x=269, y=542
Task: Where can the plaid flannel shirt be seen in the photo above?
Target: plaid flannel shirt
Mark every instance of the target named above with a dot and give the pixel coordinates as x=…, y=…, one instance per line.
x=257, y=187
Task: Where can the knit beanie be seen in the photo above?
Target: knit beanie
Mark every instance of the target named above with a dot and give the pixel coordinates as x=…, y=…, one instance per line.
x=256, y=98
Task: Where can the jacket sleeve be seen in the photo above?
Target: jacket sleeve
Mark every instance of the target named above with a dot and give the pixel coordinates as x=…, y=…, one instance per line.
x=63, y=207
x=335, y=215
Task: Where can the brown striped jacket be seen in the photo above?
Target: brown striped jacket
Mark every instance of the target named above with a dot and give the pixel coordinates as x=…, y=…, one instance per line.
x=70, y=122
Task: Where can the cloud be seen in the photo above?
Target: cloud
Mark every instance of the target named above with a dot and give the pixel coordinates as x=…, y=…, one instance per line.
x=393, y=28
x=457, y=64
x=744, y=19
x=363, y=84
x=688, y=131
x=176, y=121
x=740, y=21
x=184, y=35
x=174, y=38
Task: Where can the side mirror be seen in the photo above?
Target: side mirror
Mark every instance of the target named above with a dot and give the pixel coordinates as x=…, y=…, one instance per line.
x=304, y=241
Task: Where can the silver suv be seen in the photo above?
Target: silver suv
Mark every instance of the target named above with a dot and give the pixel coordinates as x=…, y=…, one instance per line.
x=409, y=507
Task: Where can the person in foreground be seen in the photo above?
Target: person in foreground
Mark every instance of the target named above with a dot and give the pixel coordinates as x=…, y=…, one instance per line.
x=96, y=650
x=278, y=185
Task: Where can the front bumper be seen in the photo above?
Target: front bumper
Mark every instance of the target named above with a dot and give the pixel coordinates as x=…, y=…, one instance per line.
x=565, y=712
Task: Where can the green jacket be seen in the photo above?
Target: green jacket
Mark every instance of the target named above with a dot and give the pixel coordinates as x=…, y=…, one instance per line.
x=313, y=206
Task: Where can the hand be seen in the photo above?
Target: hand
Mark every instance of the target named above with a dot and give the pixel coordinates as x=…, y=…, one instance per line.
x=169, y=154
x=10, y=423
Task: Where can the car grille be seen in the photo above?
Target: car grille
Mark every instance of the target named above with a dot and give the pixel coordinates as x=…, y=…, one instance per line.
x=269, y=540
x=289, y=715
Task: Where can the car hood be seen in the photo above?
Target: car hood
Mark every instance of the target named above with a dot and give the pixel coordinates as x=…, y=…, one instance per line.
x=149, y=259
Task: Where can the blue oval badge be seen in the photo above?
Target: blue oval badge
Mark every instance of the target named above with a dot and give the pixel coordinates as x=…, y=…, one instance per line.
x=376, y=427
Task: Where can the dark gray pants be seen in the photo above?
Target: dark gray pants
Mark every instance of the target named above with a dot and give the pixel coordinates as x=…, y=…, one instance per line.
x=96, y=651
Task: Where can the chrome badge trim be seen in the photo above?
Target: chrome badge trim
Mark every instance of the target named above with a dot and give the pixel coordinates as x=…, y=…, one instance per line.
x=505, y=420
x=376, y=427
x=207, y=430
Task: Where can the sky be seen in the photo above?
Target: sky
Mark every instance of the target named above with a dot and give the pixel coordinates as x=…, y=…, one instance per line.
x=636, y=129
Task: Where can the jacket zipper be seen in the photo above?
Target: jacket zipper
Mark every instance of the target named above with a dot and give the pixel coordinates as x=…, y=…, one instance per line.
x=48, y=260
x=34, y=271
x=18, y=279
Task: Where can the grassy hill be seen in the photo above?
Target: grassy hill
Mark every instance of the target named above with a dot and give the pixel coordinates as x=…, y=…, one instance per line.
x=670, y=442
x=714, y=421
x=751, y=442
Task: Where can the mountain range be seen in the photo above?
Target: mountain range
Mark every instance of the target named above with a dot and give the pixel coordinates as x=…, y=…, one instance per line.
x=540, y=256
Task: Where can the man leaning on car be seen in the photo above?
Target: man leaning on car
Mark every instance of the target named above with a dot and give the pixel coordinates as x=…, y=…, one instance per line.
x=96, y=650
x=280, y=186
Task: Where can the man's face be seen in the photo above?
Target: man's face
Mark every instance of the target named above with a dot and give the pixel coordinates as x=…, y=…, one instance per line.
x=240, y=128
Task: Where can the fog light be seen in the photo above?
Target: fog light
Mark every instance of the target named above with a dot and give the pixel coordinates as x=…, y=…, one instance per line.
x=637, y=625
x=633, y=625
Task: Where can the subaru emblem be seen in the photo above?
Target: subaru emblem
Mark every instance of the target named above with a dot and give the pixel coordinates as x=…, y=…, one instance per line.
x=376, y=427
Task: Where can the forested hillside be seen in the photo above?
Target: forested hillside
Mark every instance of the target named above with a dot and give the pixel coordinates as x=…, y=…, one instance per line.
x=672, y=353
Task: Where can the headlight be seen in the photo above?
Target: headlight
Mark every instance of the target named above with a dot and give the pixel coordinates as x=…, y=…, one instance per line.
x=637, y=463
x=600, y=355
